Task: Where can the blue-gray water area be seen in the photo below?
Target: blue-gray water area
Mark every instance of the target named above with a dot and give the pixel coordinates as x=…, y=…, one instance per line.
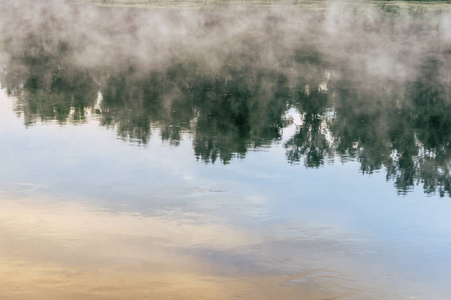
x=209, y=154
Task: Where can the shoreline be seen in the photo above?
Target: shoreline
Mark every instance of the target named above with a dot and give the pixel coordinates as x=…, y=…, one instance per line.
x=395, y=7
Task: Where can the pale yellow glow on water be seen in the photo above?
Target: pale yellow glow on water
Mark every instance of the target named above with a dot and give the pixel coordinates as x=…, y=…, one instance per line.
x=68, y=251
x=261, y=153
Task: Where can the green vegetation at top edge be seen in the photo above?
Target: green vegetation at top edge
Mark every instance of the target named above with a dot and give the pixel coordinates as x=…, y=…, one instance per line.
x=393, y=7
x=252, y=2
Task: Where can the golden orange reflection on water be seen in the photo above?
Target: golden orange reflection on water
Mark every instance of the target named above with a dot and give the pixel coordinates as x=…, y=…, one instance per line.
x=73, y=251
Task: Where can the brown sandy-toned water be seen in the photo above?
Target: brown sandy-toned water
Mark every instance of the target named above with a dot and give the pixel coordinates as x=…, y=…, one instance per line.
x=71, y=251
x=262, y=152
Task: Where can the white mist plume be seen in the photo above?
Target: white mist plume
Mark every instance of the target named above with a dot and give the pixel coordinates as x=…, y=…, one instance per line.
x=369, y=42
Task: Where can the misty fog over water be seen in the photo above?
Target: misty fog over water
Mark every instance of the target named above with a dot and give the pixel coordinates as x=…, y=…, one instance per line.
x=267, y=152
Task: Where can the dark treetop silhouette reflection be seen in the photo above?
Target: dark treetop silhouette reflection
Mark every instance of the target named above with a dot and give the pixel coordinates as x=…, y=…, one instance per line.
x=237, y=97
x=404, y=128
x=219, y=153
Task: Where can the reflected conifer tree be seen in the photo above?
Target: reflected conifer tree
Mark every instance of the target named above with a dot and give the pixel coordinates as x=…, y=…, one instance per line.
x=406, y=131
x=46, y=85
x=310, y=141
x=431, y=122
x=238, y=110
x=138, y=102
x=363, y=127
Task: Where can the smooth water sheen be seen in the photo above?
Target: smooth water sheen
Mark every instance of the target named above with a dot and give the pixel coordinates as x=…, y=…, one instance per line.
x=224, y=154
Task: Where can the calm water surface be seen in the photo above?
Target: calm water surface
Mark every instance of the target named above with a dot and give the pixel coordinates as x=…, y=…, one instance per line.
x=222, y=154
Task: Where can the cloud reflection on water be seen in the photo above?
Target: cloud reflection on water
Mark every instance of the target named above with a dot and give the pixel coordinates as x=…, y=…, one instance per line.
x=71, y=250
x=365, y=87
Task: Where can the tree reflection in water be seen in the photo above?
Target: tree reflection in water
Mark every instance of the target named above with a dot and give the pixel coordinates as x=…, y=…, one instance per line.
x=403, y=127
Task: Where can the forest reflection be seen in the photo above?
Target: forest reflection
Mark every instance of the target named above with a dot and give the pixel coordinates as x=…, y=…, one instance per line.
x=402, y=127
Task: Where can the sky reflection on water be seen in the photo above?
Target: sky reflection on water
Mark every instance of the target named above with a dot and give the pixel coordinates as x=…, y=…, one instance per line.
x=291, y=170
x=331, y=222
